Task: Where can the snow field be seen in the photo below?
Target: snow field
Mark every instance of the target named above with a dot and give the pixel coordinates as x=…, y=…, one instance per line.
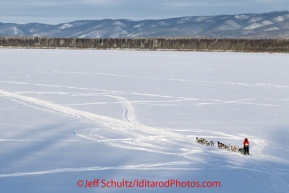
x=72, y=114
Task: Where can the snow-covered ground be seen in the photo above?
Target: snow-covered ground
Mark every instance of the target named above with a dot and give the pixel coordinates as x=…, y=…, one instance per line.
x=71, y=115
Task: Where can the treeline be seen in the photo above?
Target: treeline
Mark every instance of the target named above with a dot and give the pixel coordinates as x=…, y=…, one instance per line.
x=186, y=44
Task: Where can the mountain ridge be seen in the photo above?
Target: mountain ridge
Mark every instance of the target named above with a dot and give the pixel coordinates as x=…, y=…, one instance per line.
x=256, y=26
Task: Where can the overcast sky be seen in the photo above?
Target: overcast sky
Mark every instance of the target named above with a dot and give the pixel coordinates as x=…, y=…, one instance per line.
x=60, y=11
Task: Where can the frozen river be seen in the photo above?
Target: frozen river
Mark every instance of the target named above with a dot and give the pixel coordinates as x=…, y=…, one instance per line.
x=76, y=118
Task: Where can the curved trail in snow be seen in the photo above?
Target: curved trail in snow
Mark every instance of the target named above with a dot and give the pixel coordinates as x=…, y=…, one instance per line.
x=159, y=166
x=175, y=98
x=130, y=134
x=136, y=135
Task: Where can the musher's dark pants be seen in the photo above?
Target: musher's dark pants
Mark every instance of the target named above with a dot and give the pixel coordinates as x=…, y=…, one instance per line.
x=246, y=150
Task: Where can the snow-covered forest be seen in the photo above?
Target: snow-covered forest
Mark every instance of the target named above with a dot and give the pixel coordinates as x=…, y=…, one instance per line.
x=189, y=44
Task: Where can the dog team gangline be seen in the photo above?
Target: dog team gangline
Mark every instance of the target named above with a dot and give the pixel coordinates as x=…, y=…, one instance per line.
x=244, y=150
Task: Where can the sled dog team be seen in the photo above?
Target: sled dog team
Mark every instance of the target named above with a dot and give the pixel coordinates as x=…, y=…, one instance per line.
x=228, y=147
x=204, y=142
x=244, y=150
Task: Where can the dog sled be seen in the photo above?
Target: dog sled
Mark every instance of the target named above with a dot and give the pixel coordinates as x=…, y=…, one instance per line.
x=242, y=151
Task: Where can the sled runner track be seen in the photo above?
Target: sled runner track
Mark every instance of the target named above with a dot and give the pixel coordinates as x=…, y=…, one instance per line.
x=58, y=86
x=180, y=80
x=168, y=142
x=109, y=123
x=176, y=98
x=129, y=112
x=153, y=166
x=159, y=140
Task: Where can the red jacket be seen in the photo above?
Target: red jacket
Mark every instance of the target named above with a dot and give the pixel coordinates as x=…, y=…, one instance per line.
x=246, y=142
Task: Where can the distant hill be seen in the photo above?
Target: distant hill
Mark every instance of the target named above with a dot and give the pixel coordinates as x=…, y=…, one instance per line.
x=255, y=26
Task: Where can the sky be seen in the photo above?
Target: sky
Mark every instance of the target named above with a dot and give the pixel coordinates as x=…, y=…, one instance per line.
x=61, y=11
